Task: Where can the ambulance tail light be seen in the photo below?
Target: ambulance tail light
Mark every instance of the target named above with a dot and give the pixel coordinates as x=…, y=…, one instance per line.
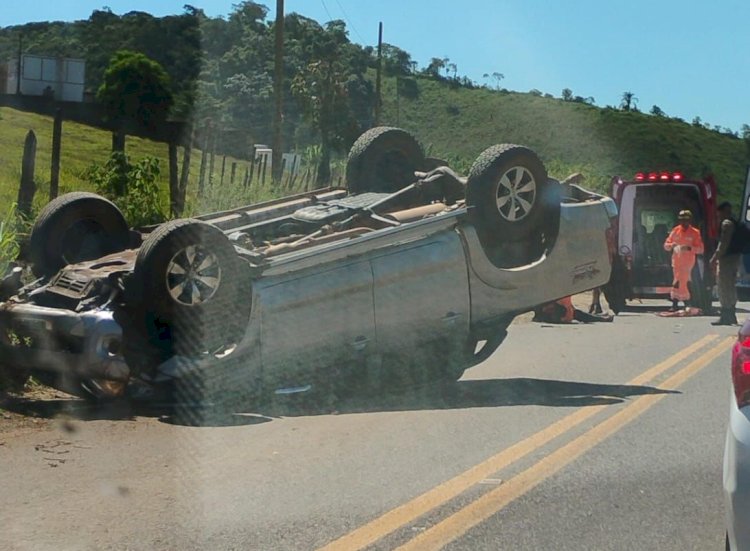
x=741, y=367
x=661, y=176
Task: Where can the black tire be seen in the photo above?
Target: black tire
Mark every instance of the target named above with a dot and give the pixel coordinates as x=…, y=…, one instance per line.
x=73, y=228
x=383, y=159
x=172, y=318
x=530, y=200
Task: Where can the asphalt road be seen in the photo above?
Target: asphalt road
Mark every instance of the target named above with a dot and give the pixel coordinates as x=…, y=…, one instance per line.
x=604, y=436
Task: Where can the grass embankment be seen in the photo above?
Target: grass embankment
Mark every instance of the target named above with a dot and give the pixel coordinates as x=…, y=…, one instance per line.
x=83, y=145
x=457, y=124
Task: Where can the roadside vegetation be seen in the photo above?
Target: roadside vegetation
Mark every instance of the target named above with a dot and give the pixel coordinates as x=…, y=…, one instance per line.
x=9, y=242
x=218, y=73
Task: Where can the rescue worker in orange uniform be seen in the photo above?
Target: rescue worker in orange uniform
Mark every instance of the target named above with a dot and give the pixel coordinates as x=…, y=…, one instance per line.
x=685, y=242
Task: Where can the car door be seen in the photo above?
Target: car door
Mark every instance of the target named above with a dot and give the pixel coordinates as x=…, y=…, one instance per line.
x=313, y=324
x=421, y=304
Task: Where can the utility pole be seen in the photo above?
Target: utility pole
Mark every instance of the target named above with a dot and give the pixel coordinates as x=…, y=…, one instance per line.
x=278, y=85
x=18, y=63
x=378, y=90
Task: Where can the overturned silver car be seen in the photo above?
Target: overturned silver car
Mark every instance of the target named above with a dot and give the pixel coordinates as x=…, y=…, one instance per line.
x=412, y=273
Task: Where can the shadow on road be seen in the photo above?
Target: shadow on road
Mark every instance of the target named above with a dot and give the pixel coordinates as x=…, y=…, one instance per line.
x=461, y=395
x=76, y=409
x=472, y=394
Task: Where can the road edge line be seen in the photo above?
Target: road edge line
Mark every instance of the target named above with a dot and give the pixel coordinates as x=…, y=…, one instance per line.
x=392, y=520
x=489, y=504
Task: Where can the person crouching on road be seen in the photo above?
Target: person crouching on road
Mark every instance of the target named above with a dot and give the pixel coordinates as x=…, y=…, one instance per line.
x=728, y=261
x=684, y=241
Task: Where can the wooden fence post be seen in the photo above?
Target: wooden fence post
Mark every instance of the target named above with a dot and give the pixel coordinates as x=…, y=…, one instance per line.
x=204, y=156
x=54, y=178
x=234, y=171
x=187, y=151
x=174, y=182
x=118, y=140
x=211, y=156
x=223, y=169
x=28, y=188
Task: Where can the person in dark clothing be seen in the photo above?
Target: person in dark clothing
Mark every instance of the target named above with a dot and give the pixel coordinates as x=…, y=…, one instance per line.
x=728, y=262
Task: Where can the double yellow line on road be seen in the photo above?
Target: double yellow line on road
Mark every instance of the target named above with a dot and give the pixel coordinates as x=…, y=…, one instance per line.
x=457, y=524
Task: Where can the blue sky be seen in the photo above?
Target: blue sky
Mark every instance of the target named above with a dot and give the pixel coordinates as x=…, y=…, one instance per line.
x=690, y=58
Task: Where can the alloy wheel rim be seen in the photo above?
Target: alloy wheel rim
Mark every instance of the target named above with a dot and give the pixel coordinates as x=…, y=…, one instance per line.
x=193, y=276
x=516, y=193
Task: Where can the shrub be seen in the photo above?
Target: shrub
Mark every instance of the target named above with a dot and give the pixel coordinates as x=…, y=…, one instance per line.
x=132, y=187
x=9, y=246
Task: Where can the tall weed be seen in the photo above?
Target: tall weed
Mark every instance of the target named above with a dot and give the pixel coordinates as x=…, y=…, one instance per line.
x=133, y=187
x=9, y=245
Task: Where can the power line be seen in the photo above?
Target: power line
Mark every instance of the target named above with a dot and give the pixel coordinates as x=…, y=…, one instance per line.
x=326, y=8
x=348, y=20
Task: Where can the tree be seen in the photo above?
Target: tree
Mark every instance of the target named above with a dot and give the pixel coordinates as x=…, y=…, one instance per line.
x=567, y=94
x=135, y=91
x=628, y=101
x=435, y=66
x=657, y=111
x=396, y=62
x=452, y=67
x=322, y=89
x=497, y=77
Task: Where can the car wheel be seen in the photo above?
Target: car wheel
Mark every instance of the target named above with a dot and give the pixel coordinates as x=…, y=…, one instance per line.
x=76, y=227
x=186, y=294
x=509, y=196
x=383, y=160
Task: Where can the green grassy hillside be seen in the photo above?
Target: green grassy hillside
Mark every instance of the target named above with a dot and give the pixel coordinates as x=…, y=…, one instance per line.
x=83, y=145
x=457, y=124
x=452, y=123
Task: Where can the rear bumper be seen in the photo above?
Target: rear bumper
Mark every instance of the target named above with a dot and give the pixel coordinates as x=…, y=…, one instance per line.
x=84, y=345
x=737, y=477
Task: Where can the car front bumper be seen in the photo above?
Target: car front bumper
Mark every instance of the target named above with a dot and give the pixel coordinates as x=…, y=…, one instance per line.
x=737, y=477
x=81, y=344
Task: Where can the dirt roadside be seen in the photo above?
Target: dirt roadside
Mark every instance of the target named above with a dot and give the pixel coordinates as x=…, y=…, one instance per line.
x=15, y=417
